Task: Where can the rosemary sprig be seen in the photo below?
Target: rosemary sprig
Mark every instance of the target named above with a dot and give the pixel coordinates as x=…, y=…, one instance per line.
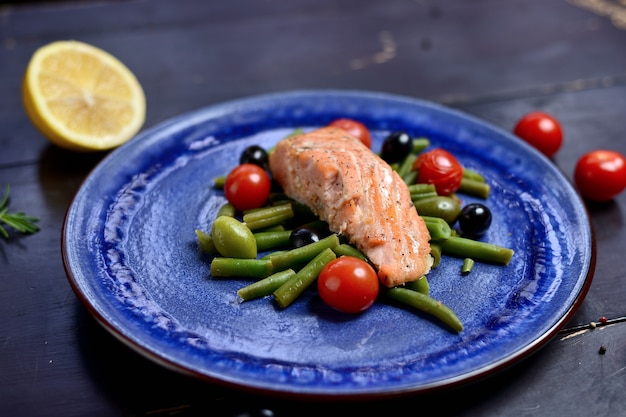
x=18, y=221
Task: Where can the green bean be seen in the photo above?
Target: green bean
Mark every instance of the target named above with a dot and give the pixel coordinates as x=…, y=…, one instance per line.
x=271, y=240
x=226, y=210
x=440, y=206
x=268, y=216
x=421, y=188
x=475, y=249
x=275, y=228
x=294, y=258
x=426, y=304
x=278, y=198
x=421, y=285
x=468, y=265
x=473, y=175
x=406, y=165
x=268, y=255
x=474, y=187
x=419, y=191
x=317, y=225
x=264, y=209
x=232, y=238
x=416, y=197
x=435, y=252
x=219, y=182
x=292, y=289
x=438, y=228
x=300, y=210
x=265, y=286
x=206, y=242
x=419, y=144
x=237, y=267
x=410, y=177
x=345, y=249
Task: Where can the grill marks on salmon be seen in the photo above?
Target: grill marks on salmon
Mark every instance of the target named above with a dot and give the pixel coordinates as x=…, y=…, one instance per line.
x=359, y=196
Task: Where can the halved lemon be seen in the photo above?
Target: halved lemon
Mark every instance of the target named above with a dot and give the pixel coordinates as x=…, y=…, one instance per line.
x=81, y=97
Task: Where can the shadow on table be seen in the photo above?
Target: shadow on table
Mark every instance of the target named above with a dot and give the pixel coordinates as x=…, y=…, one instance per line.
x=61, y=172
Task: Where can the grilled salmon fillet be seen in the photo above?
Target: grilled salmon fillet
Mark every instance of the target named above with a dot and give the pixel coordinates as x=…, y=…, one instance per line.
x=359, y=196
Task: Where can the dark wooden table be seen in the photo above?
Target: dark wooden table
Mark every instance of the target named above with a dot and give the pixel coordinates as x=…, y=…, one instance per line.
x=493, y=59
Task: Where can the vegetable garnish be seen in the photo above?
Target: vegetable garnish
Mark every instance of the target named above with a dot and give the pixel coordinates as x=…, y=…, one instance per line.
x=348, y=284
x=18, y=221
x=600, y=175
x=355, y=128
x=301, y=249
x=440, y=168
x=541, y=131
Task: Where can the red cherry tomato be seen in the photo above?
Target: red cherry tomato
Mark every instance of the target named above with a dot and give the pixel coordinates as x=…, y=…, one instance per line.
x=540, y=130
x=600, y=175
x=348, y=284
x=247, y=186
x=356, y=129
x=440, y=168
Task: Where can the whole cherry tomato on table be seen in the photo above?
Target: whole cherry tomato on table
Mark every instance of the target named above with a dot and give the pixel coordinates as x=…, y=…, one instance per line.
x=540, y=130
x=247, y=186
x=440, y=168
x=348, y=284
x=600, y=175
x=355, y=128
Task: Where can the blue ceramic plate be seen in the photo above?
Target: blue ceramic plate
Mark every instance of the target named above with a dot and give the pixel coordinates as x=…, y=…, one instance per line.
x=130, y=251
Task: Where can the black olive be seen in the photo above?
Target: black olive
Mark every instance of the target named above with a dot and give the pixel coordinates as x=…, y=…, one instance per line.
x=256, y=155
x=302, y=236
x=474, y=219
x=396, y=147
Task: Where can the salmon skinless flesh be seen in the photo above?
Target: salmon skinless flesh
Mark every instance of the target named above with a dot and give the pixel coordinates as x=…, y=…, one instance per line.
x=360, y=196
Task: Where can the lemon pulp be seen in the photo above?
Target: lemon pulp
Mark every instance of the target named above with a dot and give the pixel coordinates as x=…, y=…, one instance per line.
x=81, y=97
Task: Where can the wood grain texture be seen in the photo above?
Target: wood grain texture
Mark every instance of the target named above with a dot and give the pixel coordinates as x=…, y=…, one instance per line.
x=495, y=60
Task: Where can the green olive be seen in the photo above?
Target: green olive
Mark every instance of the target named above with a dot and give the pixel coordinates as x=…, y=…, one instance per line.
x=205, y=241
x=435, y=252
x=233, y=239
x=440, y=206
